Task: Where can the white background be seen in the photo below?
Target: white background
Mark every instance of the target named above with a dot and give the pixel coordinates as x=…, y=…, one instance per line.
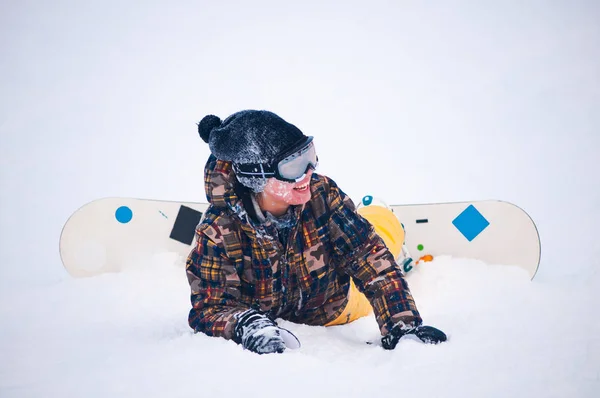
x=422, y=101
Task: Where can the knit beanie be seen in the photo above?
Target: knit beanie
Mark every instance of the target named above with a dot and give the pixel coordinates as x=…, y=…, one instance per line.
x=249, y=136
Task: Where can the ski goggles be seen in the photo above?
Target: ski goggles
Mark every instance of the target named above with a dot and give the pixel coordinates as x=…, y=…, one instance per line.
x=291, y=166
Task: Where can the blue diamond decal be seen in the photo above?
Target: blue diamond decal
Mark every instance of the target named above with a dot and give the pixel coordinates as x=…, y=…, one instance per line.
x=470, y=223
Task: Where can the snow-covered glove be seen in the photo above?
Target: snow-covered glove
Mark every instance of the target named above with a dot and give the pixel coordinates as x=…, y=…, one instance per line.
x=427, y=334
x=258, y=333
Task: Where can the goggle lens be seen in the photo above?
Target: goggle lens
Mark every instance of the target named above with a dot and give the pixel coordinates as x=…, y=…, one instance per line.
x=295, y=166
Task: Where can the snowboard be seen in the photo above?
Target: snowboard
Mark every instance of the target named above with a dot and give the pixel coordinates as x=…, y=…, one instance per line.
x=110, y=234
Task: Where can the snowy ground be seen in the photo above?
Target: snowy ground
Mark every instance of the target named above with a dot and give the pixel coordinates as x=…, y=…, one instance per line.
x=457, y=101
x=126, y=335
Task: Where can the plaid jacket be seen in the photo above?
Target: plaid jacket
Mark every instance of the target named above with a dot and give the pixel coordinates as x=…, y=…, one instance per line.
x=239, y=263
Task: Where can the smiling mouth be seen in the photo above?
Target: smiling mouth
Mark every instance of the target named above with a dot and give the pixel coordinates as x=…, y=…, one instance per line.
x=302, y=187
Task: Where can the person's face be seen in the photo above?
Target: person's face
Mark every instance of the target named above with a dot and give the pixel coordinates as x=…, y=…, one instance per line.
x=291, y=193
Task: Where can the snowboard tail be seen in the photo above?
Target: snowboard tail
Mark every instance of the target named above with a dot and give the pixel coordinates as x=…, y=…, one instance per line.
x=111, y=234
x=493, y=231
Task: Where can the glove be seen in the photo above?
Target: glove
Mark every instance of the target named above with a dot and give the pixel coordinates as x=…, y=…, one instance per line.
x=258, y=333
x=427, y=334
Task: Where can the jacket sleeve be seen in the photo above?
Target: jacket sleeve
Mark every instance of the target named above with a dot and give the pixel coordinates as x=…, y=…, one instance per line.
x=364, y=257
x=215, y=286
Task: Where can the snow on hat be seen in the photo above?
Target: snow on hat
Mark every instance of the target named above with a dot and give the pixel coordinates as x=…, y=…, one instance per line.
x=249, y=136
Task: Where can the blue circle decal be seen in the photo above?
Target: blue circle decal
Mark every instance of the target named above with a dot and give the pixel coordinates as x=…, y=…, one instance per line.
x=124, y=214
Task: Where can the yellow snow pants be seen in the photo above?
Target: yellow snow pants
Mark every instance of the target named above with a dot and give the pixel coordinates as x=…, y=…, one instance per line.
x=389, y=228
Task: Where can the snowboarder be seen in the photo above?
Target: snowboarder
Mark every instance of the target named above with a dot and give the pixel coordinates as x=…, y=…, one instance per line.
x=282, y=241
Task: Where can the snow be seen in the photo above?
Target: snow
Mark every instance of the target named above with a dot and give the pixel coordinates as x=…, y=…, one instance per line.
x=126, y=335
x=407, y=102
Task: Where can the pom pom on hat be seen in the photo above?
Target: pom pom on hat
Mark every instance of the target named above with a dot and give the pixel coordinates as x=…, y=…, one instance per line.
x=207, y=125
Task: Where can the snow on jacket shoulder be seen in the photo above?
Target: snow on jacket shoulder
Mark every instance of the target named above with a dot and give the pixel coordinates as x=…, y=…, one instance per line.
x=239, y=262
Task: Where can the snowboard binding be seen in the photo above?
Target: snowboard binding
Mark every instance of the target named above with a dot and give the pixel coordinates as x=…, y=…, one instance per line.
x=388, y=227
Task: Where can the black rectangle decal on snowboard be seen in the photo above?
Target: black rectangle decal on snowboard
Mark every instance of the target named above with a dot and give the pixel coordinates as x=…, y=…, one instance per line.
x=184, y=228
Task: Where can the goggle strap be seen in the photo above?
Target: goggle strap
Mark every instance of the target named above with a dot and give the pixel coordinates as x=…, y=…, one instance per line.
x=263, y=173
